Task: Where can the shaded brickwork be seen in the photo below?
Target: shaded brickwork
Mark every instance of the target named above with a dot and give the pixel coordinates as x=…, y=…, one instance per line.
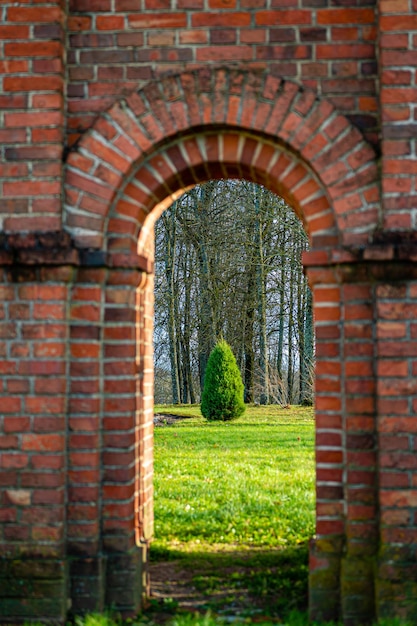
x=109, y=109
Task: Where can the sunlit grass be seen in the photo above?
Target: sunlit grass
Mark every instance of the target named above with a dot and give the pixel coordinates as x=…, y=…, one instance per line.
x=234, y=501
x=249, y=482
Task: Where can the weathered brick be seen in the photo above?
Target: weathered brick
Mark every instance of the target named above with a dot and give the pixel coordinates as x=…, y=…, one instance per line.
x=330, y=53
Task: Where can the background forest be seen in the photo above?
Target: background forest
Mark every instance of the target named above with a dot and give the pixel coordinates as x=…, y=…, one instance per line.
x=228, y=265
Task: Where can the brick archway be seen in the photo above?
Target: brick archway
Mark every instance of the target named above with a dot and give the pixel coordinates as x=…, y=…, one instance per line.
x=137, y=157
x=303, y=81
x=224, y=123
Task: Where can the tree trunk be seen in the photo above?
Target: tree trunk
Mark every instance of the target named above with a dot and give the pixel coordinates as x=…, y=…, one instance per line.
x=206, y=334
x=281, y=328
x=170, y=245
x=249, y=356
x=300, y=327
x=261, y=305
x=188, y=387
x=290, y=374
x=308, y=365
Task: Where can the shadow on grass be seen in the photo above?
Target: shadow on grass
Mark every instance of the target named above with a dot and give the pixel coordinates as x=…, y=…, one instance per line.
x=252, y=584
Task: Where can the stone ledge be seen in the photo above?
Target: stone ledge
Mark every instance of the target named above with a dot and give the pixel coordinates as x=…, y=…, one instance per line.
x=378, y=252
x=57, y=248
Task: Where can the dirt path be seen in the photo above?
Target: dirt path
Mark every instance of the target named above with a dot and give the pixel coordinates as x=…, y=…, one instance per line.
x=173, y=591
x=236, y=588
x=170, y=582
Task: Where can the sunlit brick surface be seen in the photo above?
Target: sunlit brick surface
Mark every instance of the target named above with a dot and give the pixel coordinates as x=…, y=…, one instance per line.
x=109, y=109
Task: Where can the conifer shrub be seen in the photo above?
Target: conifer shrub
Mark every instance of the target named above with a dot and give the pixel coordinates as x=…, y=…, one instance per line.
x=222, y=397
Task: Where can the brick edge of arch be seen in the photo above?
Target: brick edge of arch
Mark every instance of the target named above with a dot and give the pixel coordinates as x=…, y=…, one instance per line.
x=217, y=123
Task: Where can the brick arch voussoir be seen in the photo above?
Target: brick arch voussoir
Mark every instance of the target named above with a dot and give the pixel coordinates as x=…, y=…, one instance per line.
x=166, y=120
x=226, y=153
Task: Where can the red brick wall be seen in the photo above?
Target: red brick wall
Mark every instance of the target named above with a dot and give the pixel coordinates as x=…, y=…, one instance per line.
x=33, y=443
x=398, y=58
x=330, y=49
x=397, y=404
x=32, y=69
x=299, y=105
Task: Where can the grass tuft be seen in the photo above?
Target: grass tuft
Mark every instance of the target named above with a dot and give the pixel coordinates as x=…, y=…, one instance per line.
x=295, y=618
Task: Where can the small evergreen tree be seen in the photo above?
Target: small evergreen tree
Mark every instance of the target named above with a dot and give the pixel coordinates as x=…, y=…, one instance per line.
x=222, y=397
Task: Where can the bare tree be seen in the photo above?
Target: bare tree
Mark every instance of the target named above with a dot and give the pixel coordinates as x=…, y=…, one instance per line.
x=228, y=266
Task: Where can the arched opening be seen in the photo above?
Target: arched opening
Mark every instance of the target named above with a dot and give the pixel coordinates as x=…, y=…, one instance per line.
x=234, y=502
x=134, y=162
x=291, y=177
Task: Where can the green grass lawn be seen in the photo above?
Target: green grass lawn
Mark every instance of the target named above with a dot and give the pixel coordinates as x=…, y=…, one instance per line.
x=244, y=483
x=234, y=501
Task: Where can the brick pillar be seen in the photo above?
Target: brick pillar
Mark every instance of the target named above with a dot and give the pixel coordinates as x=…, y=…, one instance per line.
x=127, y=433
x=35, y=286
x=107, y=479
x=397, y=424
x=145, y=397
x=75, y=429
x=326, y=547
x=343, y=552
x=85, y=439
x=358, y=564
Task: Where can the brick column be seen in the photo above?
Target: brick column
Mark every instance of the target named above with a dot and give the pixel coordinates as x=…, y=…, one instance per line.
x=35, y=278
x=127, y=431
x=85, y=439
x=107, y=477
x=75, y=429
x=326, y=547
x=145, y=400
x=357, y=574
x=343, y=552
x=397, y=425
